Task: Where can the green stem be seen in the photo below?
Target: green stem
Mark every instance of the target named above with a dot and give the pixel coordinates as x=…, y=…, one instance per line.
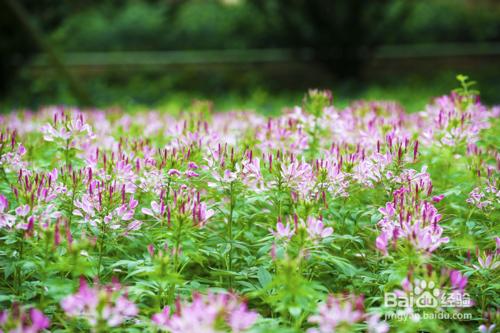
x=46, y=259
x=19, y=279
x=4, y=176
x=101, y=251
x=72, y=206
x=166, y=198
x=177, y=247
x=230, y=236
x=66, y=154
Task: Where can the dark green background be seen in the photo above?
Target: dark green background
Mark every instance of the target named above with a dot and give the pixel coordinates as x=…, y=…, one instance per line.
x=404, y=50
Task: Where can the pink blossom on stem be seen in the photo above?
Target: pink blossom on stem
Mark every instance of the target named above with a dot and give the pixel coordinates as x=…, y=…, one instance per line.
x=336, y=313
x=317, y=230
x=204, y=314
x=97, y=304
x=18, y=320
x=6, y=220
x=283, y=231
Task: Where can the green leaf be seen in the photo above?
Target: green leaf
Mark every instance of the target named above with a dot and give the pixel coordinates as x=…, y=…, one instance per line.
x=264, y=277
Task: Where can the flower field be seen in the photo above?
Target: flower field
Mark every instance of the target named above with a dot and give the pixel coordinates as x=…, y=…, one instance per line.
x=361, y=219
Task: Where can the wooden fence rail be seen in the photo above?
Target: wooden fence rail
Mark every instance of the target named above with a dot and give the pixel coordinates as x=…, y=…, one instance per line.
x=166, y=58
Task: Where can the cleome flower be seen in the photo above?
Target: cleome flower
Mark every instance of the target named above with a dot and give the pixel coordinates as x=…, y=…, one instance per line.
x=409, y=218
x=211, y=313
x=338, y=314
x=18, y=320
x=66, y=126
x=485, y=198
x=282, y=231
x=6, y=220
x=100, y=305
x=314, y=229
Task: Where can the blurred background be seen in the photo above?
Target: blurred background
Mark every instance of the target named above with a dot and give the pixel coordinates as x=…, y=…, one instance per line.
x=261, y=54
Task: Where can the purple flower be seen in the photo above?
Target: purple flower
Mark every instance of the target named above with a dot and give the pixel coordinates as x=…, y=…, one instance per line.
x=458, y=281
x=438, y=198
x=107, y=303
x=382, y=242
x=387, y=211
x=158, y=210
x=174, y=172
x=336, y=312
x=162, y=319
x=487, y=261
x=375, y=325
x=317, y=230
x=283, y=231
x=485, y=197
x=251, y=174
x=6, y=220
x=240, y=318
x=201, y=214
x=191, y=174
x=487, y=328
x=409, y=218
x=38, y=320
x=20, y=321
x=205, y=313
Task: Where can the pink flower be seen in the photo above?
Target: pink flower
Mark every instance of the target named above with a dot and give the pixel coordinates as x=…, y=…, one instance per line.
x=191, y=174
x=123, y=214
x=488, y=261
x=485, y=197
x=158, y=210
x=192, y=165
x=410, y=218
x=38, y=320
x=317, y=230
x=251, y=173
x=375, y=325
x=99, y=303
x=67, y=126
x=6, y=220
x=205, y=313
x=336, y=312
x=174, y=172
x=438, y=198
x=283, y=231
x=240, y=318
x=22, y=210
x=487, y=328
x=387, y=211
x=20, y=321
x=201, y=214
x=382, y=242
x=162, y=319
x=458, y=281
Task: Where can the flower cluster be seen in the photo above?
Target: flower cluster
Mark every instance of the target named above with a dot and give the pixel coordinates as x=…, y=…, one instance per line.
x=281, y=210
x=18, y=320
x=486, y=197
x=315, y=229
x=100, y=306
x=11, y=152
x=211, y=313
x=411, y=218
x=338, y=314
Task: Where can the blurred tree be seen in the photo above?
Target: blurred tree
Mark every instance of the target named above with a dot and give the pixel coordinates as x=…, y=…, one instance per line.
x=342, y=34
x=17, y=42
